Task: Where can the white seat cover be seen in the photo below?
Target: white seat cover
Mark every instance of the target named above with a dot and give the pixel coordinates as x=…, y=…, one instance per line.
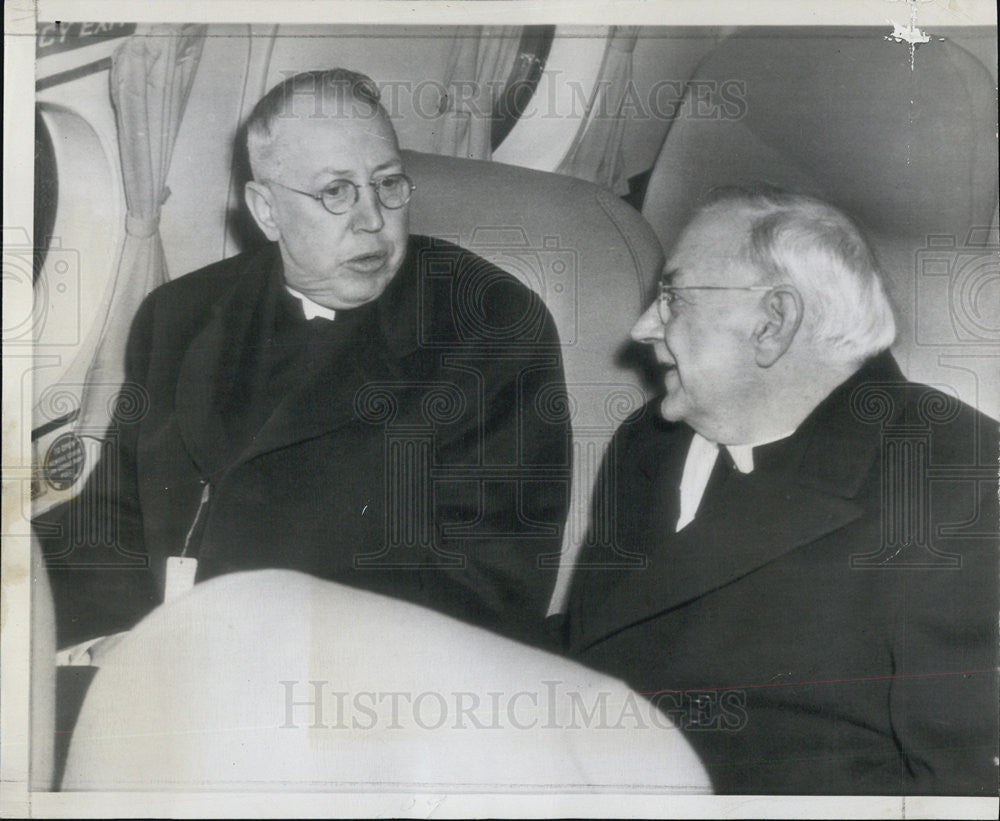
x=193, y=698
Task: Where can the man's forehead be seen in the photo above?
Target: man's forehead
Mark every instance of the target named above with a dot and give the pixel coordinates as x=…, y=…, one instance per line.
x=708, y=245
x=358, y=120
x=334, y=143
x=325, y=103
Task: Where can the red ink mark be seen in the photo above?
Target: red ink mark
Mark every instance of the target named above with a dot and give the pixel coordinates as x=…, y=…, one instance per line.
x=818, y=681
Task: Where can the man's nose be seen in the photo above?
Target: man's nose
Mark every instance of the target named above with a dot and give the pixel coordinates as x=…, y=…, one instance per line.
x=648, y=329
x=367, y=211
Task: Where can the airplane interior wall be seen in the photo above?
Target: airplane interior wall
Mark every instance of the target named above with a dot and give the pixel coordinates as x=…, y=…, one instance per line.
x=200, y=220
x=594, y=261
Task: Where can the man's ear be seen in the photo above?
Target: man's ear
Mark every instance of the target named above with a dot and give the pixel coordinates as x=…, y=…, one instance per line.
x=782, y=318
x=258, y=199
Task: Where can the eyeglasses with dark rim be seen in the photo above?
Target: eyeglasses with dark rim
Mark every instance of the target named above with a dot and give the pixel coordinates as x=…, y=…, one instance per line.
x=668, y=294
x=393, y=191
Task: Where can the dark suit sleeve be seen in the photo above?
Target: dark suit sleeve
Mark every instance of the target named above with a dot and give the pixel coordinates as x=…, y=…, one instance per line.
x=612, y=547
x=93, y=544
x=943, y=697
x=510, y=508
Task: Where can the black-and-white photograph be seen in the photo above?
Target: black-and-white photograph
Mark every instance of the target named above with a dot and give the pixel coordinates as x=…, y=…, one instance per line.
x=502, y=409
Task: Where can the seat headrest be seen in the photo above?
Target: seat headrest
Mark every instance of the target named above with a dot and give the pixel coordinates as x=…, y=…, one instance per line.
x=907, y=148
x=589, y=255
x=844, y=115
x=586, y=252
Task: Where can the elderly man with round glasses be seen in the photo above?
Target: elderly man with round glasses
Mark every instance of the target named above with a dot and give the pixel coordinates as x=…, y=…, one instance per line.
x=349, y=401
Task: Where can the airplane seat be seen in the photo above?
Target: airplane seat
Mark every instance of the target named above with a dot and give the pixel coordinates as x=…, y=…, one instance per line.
x=907, y=148
x=588, y=254
x=42, y=712
x=275, y=680
x=193, y=698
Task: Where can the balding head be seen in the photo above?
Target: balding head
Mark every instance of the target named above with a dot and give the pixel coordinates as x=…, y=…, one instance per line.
x=327, y=94
x=329, y=186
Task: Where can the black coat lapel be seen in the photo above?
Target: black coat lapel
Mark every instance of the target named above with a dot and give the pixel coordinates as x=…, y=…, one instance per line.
x=218, y=366
x=214, y=369
x=319, y=405
x=801, y=489
x=749, y=525
x=662, y=465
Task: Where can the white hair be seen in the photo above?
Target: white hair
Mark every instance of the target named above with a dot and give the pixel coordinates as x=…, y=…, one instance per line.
x=807, y=243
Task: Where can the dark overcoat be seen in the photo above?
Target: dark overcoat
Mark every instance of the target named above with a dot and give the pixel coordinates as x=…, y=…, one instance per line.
x=828, y=622
x=420, y=453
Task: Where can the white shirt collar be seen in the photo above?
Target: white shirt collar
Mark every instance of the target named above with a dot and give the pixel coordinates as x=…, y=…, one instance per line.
x=743, y=454
x=312, y=309
x=742, y=457
x=698, y=466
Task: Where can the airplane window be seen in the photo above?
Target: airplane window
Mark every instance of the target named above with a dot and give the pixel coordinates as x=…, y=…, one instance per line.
x=46, y=194
x=536, y=42
x=78, y=228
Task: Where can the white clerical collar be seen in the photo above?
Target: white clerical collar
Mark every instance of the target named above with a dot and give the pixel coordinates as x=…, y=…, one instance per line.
x=698, y=466
x=312, y=309
x=743, y=454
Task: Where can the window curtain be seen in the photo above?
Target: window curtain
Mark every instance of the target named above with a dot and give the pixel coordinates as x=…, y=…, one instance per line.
x=596, y=153
x=479, y=63
x=151, y=78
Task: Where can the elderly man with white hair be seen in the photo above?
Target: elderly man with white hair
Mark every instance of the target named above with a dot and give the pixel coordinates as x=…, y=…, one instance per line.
x=803, y=572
